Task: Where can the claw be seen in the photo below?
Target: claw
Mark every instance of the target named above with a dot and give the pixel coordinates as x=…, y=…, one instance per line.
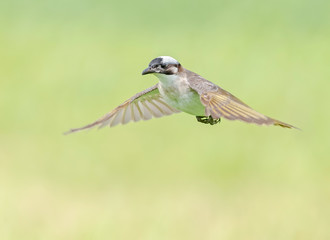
x=208, y=120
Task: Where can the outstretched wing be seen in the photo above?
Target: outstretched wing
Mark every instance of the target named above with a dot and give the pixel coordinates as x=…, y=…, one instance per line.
x=220, y=103
x=223, y=104
x=144, y=105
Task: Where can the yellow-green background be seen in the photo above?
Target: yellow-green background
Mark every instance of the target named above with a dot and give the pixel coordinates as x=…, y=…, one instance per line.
x=65, y=63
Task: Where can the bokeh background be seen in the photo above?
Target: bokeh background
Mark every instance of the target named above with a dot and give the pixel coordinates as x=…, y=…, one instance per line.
x=63, y=64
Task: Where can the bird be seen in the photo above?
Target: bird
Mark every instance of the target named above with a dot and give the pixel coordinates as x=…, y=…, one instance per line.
x=181, y=90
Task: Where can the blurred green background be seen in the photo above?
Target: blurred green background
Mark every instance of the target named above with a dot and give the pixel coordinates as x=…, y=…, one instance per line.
x=64, y=64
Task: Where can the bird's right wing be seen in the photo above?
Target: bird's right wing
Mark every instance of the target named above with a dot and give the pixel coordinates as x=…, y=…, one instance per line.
x=144, y=105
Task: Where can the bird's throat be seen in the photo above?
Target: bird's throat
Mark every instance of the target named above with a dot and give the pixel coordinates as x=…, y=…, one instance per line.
x=168, y=80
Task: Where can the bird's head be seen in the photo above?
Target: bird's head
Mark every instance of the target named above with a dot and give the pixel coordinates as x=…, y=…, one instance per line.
x=163, y=65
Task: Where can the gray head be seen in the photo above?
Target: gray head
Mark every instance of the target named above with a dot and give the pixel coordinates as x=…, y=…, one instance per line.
x=162, y=65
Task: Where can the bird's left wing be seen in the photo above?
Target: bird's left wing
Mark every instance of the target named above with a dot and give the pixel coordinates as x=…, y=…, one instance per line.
x=220, y=103
x=144, y=105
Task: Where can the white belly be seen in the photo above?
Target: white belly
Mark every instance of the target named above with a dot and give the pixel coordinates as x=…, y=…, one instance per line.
x=179, y=95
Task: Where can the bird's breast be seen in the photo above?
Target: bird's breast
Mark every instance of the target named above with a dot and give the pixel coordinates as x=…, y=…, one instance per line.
x=179, y=95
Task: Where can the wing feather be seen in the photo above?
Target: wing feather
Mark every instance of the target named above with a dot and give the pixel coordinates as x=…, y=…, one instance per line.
x=144, y=105
x=223, y=104
x=220, y=103
x=118, y=116
x=135, y=112
x=145, y=111
x=166, y=109
x=127, y=116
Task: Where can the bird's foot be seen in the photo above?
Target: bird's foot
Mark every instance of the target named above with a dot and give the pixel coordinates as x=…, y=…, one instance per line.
x=208, y=120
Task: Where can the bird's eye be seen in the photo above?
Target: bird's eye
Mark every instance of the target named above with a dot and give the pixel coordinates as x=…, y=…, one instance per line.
x=163, y=65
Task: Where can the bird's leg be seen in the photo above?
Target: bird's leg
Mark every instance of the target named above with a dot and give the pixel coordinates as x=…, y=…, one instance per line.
x=202, y=119
x=214, y=121
x=207, y=120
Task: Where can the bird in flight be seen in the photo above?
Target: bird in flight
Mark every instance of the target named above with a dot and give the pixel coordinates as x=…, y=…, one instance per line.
x=181, y=90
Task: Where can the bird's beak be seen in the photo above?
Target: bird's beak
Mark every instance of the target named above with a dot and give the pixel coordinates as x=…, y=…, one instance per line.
x=147, y=71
